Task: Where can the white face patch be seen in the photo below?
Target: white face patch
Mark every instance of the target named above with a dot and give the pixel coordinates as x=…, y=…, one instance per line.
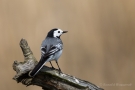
x=57, y=33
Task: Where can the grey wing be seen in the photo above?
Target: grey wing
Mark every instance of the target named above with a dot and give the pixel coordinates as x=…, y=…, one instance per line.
x=54, y=49
x=43, y=50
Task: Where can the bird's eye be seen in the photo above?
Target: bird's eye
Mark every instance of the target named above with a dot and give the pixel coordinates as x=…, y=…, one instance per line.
x=58, y=31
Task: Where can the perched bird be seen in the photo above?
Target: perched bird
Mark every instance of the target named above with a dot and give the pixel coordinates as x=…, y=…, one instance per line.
x=51, y=49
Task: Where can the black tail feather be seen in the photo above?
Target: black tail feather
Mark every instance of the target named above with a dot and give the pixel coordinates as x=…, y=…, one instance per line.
x=38, y=67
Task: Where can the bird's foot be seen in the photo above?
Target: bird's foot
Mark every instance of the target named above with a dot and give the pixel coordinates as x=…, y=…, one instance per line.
x=60, y=72
x=52, y=67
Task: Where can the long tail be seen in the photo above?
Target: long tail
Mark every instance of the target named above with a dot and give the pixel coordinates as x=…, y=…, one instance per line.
x=38, y=67
x=43, y=60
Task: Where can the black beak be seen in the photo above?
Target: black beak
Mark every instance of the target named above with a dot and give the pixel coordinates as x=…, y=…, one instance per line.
x=65, y=31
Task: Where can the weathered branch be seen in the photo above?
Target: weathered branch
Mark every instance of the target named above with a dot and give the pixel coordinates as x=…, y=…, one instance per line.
x=47, y=78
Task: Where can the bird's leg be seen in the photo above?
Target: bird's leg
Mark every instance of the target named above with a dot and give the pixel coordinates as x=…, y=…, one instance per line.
x=58, y=67
x=52, y=65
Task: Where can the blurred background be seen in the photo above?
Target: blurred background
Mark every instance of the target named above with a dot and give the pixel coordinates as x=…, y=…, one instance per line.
x=99, y=47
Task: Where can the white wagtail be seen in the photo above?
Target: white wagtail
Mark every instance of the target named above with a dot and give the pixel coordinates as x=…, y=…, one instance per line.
x=51, y=49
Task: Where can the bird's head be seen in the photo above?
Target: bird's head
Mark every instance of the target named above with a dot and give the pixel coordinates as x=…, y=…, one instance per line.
x=56, y=33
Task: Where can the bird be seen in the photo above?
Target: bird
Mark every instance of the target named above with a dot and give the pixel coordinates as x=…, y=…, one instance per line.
x=51, y=50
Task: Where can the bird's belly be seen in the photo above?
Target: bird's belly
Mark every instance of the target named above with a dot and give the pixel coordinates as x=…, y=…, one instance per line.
x=54, y=57
x=57, y=55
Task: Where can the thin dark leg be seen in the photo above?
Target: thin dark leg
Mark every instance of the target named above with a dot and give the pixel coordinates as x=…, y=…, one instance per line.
x=51, y=65
x=58, y=67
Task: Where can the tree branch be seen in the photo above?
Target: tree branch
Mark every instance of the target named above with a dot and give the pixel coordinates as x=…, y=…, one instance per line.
x=47, y=78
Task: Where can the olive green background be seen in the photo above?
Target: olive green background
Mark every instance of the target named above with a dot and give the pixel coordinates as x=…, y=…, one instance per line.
x=99, y=47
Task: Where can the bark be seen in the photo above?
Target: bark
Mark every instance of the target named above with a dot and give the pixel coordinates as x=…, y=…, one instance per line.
x=47, y=78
